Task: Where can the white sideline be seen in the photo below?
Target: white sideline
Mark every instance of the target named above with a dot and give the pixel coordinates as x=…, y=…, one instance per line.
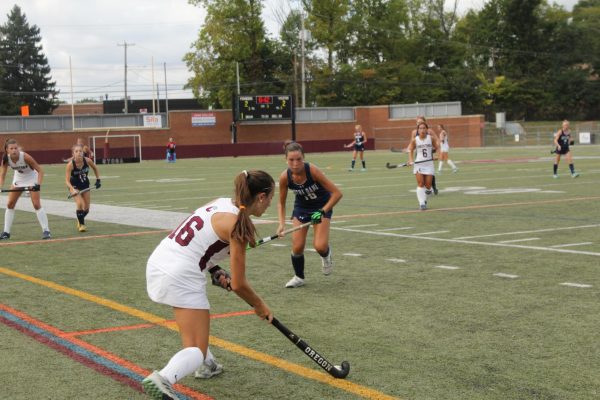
x=140, y=217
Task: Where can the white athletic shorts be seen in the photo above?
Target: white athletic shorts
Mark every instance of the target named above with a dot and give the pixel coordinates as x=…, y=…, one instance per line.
x=25, y=180
x=445, y=147
x=176, y=290
x=424, y=169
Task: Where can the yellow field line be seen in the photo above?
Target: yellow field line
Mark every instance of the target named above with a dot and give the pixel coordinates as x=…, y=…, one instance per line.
x=346, y=385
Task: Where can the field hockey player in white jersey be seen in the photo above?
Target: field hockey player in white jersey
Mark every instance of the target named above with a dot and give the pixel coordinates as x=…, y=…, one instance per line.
x=28, y=175
x=176, y=275
x=423, y=144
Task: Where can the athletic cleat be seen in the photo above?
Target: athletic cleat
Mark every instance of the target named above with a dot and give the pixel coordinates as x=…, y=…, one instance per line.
x=350, y=169
x=363, y=169
x=574, y=175
x=158, y=387
x=46, y=235
x=555, y=176
x=4, y=235
x=435, y=191
x=81, y=228
x=327, y=264
x=208, y=370
x=295, y=282
x=423, y=207
x=455, y=170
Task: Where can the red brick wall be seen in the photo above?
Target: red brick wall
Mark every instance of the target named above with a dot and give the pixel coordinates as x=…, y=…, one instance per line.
x=253, y=139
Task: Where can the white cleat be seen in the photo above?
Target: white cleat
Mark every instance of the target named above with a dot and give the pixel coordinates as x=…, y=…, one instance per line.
x=295, y=282
x=158, y=387
x=327, y=263
x=208, y=369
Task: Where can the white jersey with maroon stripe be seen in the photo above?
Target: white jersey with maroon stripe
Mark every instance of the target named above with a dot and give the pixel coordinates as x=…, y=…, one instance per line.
x=24, y=175
x=175, y=272
x=424, y=156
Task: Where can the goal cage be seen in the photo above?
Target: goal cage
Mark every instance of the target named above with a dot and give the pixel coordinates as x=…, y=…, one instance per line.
x=116, y=149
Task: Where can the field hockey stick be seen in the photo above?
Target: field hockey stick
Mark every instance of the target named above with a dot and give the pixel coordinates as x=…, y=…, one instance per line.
x=71, y=195
x=396, y=150
x=273, y=237
x=336, y=371
x=20, y=189
x=392, y=166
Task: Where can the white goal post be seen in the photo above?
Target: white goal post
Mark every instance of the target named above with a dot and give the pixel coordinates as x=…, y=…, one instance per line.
x=134, y=144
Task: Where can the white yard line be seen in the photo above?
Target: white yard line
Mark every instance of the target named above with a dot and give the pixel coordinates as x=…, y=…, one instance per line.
x=491, y=244
x=402, y=228
x=577, y=285
x=428, y=233
x=361, y=226
x=571, y=244
x=503, y=275
x=563, y=228
x=396, y=260
x=352, y=254
x=449, y=267
x=519, y=240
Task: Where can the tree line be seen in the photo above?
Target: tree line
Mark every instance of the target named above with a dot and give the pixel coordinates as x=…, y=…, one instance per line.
x=528, y=58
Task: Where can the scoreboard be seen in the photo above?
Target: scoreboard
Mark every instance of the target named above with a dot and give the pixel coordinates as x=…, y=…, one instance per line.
x=263, y=108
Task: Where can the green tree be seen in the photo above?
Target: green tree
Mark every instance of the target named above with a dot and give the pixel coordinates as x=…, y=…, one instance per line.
x=233, y=32
x=27, y=79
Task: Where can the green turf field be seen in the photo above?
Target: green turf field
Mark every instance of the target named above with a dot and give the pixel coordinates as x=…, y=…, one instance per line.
x=492, y=293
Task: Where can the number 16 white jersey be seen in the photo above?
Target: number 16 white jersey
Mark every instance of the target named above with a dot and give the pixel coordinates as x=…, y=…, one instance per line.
x=175, y=273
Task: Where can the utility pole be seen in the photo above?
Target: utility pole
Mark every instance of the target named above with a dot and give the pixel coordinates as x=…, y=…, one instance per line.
x=125, y=45
x=302, y=69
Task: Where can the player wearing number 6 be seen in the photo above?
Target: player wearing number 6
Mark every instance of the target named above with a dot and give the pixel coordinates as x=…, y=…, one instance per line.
x=423, y=145
x=78, y=183
x=315, y=198
x=176, y=275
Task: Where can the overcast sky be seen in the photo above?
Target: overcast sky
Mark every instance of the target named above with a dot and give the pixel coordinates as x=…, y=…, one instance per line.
x=90, y=33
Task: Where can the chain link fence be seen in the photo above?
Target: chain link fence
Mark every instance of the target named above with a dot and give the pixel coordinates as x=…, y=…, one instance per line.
x=517, y=133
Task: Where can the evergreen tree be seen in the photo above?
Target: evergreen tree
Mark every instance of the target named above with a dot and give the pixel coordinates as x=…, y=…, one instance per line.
x=26, y=79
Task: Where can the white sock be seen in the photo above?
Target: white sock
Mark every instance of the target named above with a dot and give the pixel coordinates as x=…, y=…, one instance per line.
x=42, y=218
x=9, y=217
x=440, y=164
x=209, y=359
x=451, y=164
x=421, y=196
x=182, y=364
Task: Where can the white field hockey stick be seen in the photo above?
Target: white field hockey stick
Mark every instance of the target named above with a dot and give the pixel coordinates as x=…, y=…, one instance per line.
x=273, y=237
x=71, y=195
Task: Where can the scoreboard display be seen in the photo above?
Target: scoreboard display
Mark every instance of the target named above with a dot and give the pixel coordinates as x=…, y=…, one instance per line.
x=263, y=108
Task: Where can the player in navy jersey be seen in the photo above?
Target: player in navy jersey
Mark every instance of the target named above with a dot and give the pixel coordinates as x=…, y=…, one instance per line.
x=315, y=198
x=77, y=180
x=359, y=141
x=562, y=141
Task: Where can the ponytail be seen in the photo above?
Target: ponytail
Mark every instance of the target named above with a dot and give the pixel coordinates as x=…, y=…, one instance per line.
x=248, y=185
x=5, y=154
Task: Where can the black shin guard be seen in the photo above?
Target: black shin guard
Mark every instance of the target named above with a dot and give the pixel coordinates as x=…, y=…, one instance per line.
x=81, y=217
x=298, y=264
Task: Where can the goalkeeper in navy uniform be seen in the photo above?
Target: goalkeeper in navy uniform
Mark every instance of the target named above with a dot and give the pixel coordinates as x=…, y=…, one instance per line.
x=360, y=139
x=77, y=181
x=315, y=198
x=562, y=141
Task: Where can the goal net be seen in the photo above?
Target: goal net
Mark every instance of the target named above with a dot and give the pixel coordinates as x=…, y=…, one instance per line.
x=116, y=149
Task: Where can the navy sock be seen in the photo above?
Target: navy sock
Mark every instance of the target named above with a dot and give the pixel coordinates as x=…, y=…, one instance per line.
x=86, y=212
x=326, y=253
x=572, y=168
x=555, y=167
x=80, y=217
x=298, y=264
x=433, y=182
x=353, y=162
x=364, y=164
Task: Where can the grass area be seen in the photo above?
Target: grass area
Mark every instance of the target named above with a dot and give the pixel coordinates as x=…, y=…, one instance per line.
x=414, y=304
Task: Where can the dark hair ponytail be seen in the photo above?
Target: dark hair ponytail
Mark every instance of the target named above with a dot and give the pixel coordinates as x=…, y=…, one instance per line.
x=5, y=154
x=248, y=185
x=290, y=145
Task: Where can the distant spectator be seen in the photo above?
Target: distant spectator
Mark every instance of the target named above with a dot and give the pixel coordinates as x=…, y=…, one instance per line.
x=171, y=156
